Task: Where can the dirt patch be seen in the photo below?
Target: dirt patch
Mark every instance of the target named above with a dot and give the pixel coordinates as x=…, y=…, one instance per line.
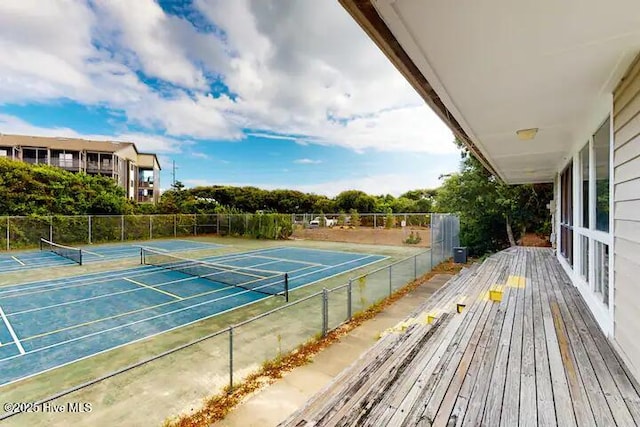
x=366, y=235
x=532, y=239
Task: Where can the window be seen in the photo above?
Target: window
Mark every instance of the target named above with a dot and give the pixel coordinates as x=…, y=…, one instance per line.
x=42, y=156
x=601, y=144
x=566, y=214
x=584, y=247
x=584, y=188
x=4, y=153
x=601, y=282
x=35, y=155
x=66, y=160
x=592, y=201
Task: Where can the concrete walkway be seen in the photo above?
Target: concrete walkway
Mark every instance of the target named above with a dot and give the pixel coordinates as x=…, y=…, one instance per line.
x=274, y=403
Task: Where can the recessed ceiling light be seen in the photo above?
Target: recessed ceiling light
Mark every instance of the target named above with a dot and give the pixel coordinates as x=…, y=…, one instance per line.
x=526, y=134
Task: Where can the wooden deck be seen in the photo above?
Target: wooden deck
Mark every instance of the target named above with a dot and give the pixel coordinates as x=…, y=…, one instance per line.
x=535, y=358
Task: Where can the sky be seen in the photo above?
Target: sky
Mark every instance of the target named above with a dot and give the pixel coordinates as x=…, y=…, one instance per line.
x=269, y=93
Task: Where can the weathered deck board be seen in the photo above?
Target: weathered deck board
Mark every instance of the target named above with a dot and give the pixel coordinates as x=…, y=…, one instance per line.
x=536, y=358
x=544, y=389
x=565, y=415
x=441, y=403
x=511, y=401
x=598, y=378
x=624, y=383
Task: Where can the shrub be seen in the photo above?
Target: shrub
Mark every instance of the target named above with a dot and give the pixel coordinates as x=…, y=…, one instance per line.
x=413, y=239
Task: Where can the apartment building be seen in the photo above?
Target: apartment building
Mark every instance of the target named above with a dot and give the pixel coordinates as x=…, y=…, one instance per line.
x=138, y=173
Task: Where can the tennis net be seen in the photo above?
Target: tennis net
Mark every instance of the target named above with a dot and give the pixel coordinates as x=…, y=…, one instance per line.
x=263, y=281
x=74, y=254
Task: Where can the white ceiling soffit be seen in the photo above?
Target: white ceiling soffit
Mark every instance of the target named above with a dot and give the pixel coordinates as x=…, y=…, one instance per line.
x=504, y=65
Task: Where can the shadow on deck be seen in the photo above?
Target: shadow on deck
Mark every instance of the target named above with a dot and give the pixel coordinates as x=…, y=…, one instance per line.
x=535, y=357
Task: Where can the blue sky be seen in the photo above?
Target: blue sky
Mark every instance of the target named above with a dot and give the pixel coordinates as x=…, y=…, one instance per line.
x=276, y=94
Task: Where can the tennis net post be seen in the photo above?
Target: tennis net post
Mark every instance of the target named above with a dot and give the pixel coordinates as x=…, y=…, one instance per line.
x=286, y=287
x=74, y=254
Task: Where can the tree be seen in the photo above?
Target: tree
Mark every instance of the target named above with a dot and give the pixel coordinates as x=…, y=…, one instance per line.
x=27, y=189
x=355, y=199
x=492, y=213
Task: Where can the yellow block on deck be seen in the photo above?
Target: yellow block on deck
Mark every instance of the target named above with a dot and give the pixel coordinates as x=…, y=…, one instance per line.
x=431, y=317
x=516, y=281
x=461, y=304
x=495, y=293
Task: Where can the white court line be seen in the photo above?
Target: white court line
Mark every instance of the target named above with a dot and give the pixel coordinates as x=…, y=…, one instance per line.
x=57, y=344
x=152, y=288
x=153, y=248
x=198, y=242
x=162, y=332
x=17, y=260
x=288, y=260
x=12, y=332
x=92, y=253
x=89, y=279
x=86, y=280
x=111, y=294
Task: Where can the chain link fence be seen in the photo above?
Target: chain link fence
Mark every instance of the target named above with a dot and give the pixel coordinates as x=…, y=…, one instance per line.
x=372, y=220
x=445, y=235
x=239, y=350
x=222, y=359
x=19, y=232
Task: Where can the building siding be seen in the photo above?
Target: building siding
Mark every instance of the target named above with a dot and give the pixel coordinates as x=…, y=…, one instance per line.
x=626, y=162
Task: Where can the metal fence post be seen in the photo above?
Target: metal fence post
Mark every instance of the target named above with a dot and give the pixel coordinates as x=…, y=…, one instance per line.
x=229, y=229
x=90, y=226
x=415, y=267
x=390, y=287
x=431, y=238
x=122, y=227
x=175, y=225
x=444, y=239
x=218, y=224
x=349, y=292
x=375, y=220
x=230, y=359
x=8, y=235
x=195, y=224
x=150, y=227
x=50, y=228
x=325, y=311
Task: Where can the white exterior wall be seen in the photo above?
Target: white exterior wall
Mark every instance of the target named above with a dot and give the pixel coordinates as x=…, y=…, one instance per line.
x=626, y=179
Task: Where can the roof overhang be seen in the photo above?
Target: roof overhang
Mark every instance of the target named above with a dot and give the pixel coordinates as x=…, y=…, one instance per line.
x=491, y=68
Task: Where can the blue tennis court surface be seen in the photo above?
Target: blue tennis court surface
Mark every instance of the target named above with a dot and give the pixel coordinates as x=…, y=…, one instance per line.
x=52, y=323
x=18, y=261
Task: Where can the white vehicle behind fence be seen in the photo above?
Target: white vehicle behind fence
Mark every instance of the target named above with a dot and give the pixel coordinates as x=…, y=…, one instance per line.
x=316, y=222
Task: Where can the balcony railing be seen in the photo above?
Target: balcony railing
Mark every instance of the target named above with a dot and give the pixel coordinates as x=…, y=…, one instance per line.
x=71, y=164
x=99, y=167
x=145, y=184
x=34, y=160
x=145, y=199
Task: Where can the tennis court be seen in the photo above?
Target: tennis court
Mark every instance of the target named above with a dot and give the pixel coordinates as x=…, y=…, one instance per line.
x=19, y=261
x=49, y=324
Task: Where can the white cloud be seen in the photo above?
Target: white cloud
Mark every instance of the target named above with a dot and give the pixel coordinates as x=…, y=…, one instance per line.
x=307, y=161
x=143, y=32
x=286, y=63
x=393, y=183
x=199, y=155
